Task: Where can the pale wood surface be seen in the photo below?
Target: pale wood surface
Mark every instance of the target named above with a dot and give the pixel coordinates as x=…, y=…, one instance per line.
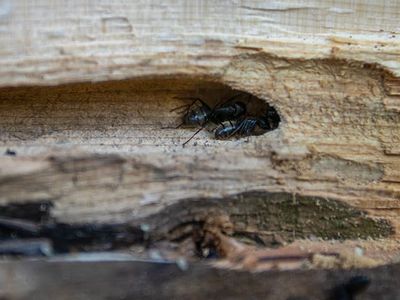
x=102, y=152
x=49, y=41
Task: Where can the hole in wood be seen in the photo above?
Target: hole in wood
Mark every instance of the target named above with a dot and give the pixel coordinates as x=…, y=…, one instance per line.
x=236, y=114
x=126, y=116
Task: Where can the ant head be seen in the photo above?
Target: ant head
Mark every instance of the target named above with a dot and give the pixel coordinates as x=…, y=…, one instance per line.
x=196, y=117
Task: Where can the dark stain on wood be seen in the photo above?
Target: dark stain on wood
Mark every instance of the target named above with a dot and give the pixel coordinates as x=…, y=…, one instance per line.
x=262, y=213
x=146, y=280
x=259, y=217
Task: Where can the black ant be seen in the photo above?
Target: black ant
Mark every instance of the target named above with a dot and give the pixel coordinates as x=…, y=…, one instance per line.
x=250, y=125
x=227, y=111
x=205, y=114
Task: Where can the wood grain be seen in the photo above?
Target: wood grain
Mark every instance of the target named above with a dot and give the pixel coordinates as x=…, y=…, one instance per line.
x=109, y=150
x=49, y=42
x=145, y=280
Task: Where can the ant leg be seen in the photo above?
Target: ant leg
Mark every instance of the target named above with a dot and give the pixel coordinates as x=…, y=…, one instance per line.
x=246, y=127
x=195, y=99
x=238, y=128
x=186, y=106
x=223, y=102
x=200, y=129
x=250, y=127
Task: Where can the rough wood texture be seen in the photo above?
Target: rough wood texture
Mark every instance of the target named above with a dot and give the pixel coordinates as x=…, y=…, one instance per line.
x=143, y=280
x=102, y=152
x=52, y=42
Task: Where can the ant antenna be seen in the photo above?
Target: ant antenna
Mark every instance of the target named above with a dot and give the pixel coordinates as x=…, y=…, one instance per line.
x=222, y=102
x=184, y=106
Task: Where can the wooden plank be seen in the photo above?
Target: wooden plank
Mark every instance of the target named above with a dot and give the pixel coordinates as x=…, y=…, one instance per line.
x=145, y=280
x=90, y=41
x=111, y=152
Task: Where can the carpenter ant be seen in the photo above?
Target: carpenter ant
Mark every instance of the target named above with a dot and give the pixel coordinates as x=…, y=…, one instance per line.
x=227, y=111
x=250, y=125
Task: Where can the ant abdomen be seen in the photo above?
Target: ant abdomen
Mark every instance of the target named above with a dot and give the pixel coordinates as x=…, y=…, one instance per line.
x=224, y=132
x=228, y=112
x=250, y=125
